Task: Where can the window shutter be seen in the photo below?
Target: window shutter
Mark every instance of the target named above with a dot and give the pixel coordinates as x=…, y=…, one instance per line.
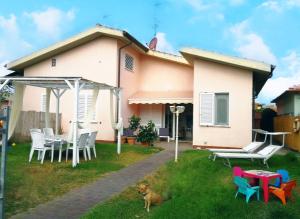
x=89, y=103
x=221, y=109
x=43, y=102
x=81, y=107
x=206, y=108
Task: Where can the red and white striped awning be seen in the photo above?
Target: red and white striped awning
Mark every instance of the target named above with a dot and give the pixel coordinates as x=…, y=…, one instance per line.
x=161, y=97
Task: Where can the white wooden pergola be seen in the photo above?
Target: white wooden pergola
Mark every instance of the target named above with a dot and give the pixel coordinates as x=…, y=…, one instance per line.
x=59, y=85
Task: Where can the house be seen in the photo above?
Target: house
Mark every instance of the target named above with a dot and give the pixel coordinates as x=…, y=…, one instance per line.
x=217, y=90
x=288, y=103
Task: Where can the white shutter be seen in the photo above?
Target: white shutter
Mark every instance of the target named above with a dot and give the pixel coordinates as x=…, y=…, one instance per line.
x=43, y=102
x=81, y=106
x=89, y=104
x=206, y=108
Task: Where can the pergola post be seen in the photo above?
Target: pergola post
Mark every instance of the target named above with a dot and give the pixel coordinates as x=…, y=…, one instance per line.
x=57, y=111
x=173, y=125
x=75, y=122
x=47, y=111
x=119, y=95
x=58, y=95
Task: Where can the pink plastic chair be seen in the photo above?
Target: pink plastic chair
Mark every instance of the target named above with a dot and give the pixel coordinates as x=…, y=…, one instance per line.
x=237, y=171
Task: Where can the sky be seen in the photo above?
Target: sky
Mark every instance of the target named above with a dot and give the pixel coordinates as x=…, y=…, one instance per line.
x=267, y=31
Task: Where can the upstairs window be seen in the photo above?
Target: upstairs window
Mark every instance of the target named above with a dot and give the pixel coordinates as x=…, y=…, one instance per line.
x=53, y=62
x=214, y=109
x=129, y=62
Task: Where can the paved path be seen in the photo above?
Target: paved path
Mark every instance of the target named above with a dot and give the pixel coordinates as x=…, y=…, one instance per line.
x=77, y=202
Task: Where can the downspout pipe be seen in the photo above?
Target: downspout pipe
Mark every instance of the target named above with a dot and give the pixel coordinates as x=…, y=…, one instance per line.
x=119, y=62
x=119, y=76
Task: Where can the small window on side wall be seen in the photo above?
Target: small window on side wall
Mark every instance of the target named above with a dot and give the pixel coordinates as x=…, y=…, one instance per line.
x=53, y=62
x=214, y=109
x=129, y=62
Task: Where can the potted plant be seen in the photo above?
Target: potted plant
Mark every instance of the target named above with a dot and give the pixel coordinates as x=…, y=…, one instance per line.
x=127, y=134
x=147, y=134
x=134, y=123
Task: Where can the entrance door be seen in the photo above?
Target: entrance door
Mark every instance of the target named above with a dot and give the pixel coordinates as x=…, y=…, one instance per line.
x=185, y=124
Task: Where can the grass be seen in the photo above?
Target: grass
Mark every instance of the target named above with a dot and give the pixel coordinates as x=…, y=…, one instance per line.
x=29, y=184
x=196, y=187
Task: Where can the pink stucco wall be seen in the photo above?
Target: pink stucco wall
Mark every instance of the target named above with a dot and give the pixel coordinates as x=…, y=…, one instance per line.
x=151, y=74
x=161, y=75
x=96, y=60
x=129, y=82
x=212, y=77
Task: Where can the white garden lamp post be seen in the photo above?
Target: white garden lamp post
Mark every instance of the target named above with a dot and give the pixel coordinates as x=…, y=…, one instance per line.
x=177, y=110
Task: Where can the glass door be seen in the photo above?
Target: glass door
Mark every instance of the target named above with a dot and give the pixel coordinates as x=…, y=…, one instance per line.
x=185, y=127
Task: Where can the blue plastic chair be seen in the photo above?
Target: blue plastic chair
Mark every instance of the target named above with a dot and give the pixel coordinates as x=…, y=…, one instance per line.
x=245, y=189
x=285, y=177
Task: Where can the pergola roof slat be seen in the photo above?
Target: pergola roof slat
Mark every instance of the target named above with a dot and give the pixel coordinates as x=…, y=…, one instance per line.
x=57, y=82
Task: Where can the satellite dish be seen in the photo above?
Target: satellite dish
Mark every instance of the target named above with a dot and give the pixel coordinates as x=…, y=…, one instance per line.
x=153, y=43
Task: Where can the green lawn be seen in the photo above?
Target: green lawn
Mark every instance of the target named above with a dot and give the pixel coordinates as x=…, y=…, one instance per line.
x=196, y=187
x=29, y=184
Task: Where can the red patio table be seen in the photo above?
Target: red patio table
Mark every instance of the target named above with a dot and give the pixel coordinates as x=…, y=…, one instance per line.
x=265, y=177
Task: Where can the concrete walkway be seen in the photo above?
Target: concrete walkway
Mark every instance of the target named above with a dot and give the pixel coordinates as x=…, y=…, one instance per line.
x=77, y=202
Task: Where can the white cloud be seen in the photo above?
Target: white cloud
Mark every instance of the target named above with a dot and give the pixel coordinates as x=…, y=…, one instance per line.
x=3, y=70
x=292, y=3
x=11, y=42
x=198, y=5
x=163, y=44
x=272, y=5
x=236, y=2
x=51, y=22
x=9, y=24
x=290, y=64
x=280, y=5
x=250, y=45
x=274, y=87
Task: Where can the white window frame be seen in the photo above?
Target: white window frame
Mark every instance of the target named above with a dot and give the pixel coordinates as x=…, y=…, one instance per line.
x=213, y=123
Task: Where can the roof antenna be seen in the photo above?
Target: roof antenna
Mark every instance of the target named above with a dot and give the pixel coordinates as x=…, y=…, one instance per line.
x=153, y=43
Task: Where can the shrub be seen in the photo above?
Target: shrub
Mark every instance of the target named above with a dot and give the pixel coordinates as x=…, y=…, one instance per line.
x=147, y=133
x=134, y=122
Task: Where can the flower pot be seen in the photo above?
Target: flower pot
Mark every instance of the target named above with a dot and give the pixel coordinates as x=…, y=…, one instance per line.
x=131, y=140
x=123, y=139
x=145, y=144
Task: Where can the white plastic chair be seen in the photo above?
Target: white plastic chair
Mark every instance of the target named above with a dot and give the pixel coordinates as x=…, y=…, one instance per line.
x=35, y=130
x=91, y=144
x=38, y=144
x=48, y=132
x=58, y=142
x=81, y=145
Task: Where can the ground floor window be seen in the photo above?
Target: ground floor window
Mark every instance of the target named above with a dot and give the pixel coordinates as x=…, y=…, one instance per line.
x=214, y=108
x=85, y=102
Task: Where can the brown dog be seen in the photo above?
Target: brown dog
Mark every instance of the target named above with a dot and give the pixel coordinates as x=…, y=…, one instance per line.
x=150, y=197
